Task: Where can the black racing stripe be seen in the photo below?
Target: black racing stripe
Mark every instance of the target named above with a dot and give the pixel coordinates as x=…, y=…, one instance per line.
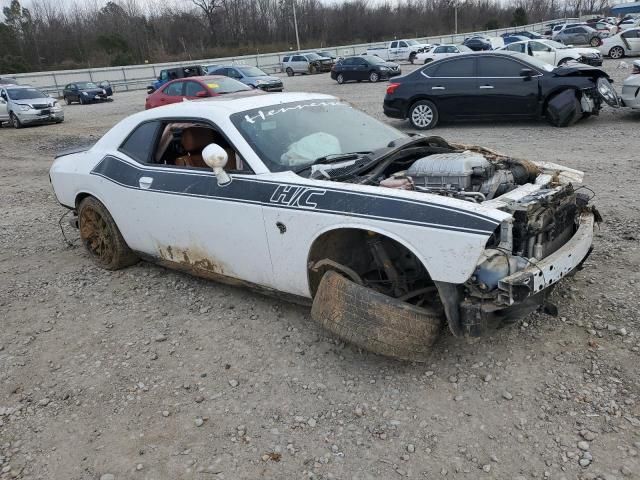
x=299, y=197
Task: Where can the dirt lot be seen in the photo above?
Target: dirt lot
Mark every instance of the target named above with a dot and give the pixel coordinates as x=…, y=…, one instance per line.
x=150, y=374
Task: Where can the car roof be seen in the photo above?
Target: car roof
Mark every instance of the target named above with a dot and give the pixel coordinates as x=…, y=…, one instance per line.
x=228, y=105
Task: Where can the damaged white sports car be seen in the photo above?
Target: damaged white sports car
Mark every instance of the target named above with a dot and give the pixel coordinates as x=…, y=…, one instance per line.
x=388, y=235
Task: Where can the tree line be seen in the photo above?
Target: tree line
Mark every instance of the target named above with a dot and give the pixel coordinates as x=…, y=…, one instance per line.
x=50, y=35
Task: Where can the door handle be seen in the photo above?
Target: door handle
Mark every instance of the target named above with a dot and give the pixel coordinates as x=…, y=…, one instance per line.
x=438, y=88
x=486, y=87
x=145, y=182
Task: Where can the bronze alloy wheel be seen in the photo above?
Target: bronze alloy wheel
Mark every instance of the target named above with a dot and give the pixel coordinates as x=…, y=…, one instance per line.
x=101, y=237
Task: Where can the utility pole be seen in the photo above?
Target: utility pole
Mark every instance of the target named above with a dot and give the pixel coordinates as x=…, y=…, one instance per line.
x=295, y=23
x=455, y=14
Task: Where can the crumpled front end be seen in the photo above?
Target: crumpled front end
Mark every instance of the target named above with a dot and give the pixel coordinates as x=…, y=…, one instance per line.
x=548, y=237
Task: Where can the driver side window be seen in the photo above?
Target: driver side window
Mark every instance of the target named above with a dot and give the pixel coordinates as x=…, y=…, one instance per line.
x=181, y=143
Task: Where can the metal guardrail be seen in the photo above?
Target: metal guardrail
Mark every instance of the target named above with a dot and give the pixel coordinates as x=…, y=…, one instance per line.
x=136, y=77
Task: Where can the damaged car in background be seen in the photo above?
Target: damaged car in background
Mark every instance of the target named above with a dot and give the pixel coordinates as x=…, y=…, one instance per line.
x=388, y=236
x=500, y=85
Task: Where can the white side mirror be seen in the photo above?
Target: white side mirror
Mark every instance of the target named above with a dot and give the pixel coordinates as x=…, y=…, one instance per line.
x=216, y=158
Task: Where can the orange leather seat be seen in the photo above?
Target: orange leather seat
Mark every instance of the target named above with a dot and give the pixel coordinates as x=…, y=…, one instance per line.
x=194, y=139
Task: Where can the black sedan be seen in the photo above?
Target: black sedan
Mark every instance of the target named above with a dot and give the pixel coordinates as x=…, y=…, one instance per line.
x=364, y=67
x=478, y=44
x=498, y=85
x=86, y=92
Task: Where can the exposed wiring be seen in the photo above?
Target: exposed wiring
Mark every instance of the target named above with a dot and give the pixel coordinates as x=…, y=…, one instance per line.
x=64, y=235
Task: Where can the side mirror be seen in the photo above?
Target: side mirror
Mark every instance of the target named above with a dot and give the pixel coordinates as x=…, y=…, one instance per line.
x=202, y=94
x=216, y=158
x=527, y=73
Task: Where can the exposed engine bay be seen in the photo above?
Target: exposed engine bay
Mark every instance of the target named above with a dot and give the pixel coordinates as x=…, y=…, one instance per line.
x=540, y=196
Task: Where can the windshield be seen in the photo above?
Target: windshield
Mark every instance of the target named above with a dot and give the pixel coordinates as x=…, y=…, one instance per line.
x=252, y=72
x=85, y=85
x=412, y=42
x=24, y=93
x=313, y=56
x=554, y=44
x=374, y=59
x=293, y=135
x=225, y=85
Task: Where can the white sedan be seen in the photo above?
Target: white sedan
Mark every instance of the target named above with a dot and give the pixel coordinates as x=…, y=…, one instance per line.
x=623, y=44
x=303, y=196
x=441, y=51
x=555, y=53
x=631, y=88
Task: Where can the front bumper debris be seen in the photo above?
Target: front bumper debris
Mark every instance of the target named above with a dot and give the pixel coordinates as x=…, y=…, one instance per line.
x=526, y=290
x=549, y=270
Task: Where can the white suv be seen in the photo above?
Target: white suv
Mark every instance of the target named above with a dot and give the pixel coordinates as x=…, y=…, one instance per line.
x=305, y=63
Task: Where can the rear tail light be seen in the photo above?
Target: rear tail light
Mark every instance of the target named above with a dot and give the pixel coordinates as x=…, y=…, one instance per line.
x=392, y=88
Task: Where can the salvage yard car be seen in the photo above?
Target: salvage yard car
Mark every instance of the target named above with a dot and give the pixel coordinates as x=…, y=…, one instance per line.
x=194, y=88
x=21, y=105
x=623, y=44
x=303, y=196
x=441, y=51
x=85, y=92
x=367, y=67
x=498, y=85
x=304, y=63
x=556, y=53
x=631, y=88
x=400, y=50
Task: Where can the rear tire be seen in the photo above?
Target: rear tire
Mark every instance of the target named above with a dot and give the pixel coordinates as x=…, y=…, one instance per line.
x=564, y=61
x=427, y=60
x=423, y=115
x=373, y=321
x=289, y=71
x=616, y=52
x=340, y=79
x=67, y=101
x=595, y=42
x=101, y=236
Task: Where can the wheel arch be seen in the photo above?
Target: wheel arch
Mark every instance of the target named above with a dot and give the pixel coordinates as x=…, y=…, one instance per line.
x=417, y=98
x=333, y=242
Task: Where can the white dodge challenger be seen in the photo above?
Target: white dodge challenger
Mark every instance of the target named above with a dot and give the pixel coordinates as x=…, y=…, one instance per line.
x=388, y=235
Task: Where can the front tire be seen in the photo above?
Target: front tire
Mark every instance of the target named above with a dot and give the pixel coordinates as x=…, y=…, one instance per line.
x=15, y=121
x=289, y=71
x=423, y=115
x=616, y=52
x=374, y=77
x=374, y=321
x=313, y=69
x=101, y=236
x=340, y=79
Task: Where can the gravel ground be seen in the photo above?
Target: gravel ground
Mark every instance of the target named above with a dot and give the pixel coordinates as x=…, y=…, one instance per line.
x=150, y=374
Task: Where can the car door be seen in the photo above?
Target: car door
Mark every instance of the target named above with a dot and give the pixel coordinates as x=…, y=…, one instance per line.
x=192, y=89
x=346, y=68
x=172, y=93
x=4, y=112
x=299, y=64
x=452, y=86
x=181, y=214
x=393, y=51
x=403, y=51
x=542, y=52
x=360, y=69
x=503, y=91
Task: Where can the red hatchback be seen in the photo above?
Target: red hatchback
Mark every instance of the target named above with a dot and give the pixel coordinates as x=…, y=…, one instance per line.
x=193, y=88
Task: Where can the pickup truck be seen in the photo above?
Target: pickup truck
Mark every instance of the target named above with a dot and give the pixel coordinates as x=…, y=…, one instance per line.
x=400, y=50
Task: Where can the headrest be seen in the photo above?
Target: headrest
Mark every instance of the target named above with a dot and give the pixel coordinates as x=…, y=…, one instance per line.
x=196, y=138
